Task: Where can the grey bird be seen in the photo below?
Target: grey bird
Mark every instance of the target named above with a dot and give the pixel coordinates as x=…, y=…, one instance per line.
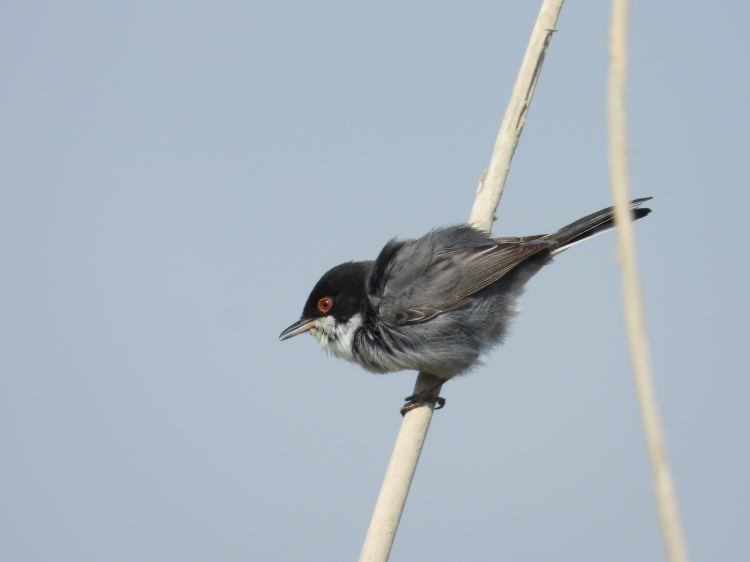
x=437, y=303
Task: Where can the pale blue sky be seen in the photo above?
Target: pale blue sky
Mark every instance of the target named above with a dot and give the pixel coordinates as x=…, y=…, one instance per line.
x=174, y=178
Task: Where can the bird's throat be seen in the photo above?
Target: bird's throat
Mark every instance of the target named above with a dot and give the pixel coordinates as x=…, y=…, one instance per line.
x=336, y=337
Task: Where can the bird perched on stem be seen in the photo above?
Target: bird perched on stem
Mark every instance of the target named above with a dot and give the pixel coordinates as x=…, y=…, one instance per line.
x=434, y=304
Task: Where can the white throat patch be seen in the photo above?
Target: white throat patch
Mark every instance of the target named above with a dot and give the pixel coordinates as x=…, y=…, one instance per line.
x=336, y=338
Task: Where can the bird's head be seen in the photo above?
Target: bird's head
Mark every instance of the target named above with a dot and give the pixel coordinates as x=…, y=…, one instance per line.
x=333, y=303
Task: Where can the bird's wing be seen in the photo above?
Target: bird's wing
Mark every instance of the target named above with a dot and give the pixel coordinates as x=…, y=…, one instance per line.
x=410, y=284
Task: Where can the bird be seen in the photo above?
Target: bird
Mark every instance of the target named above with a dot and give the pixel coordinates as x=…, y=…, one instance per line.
x=434, y=304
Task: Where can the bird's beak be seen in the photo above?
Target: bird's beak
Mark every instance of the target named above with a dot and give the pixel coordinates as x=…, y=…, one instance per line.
x=297, y=328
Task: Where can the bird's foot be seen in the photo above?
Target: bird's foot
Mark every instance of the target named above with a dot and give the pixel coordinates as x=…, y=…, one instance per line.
x=421, y=398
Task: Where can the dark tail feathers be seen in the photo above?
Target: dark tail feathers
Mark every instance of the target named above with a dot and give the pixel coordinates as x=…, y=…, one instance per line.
x=591, y=225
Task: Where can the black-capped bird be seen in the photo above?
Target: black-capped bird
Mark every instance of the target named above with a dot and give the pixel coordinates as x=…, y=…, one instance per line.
x=434, y=304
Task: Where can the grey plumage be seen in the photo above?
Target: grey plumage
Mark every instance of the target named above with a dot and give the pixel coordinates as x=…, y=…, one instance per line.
x=437, y=303
x=449, y=309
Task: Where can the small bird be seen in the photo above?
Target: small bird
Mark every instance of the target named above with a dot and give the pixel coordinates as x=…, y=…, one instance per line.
x=434, y=304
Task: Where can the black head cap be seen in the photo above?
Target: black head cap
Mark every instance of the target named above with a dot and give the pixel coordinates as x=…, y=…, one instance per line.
x=339, y=293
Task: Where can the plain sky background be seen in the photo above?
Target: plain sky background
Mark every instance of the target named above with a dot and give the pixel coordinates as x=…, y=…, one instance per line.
x=175, y=177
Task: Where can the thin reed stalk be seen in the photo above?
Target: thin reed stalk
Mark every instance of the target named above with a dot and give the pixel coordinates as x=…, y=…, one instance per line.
x=664, y=490
x=411, y=437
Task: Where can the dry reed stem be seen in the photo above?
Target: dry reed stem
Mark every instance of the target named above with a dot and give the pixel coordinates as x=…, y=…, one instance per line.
x=664, y=491
x=405, y=456
x=491, y=187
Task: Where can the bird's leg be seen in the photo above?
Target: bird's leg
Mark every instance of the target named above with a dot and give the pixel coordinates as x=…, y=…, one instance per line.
x=424, y=397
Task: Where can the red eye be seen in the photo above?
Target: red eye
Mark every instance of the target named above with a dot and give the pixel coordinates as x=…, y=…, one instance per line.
x=325, y=304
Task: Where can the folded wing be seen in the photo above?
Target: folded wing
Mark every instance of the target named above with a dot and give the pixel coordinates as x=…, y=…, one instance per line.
x=414, y=286
x=415, y=280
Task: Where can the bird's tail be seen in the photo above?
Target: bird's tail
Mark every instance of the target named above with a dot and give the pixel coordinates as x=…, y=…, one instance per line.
x=589, y=226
